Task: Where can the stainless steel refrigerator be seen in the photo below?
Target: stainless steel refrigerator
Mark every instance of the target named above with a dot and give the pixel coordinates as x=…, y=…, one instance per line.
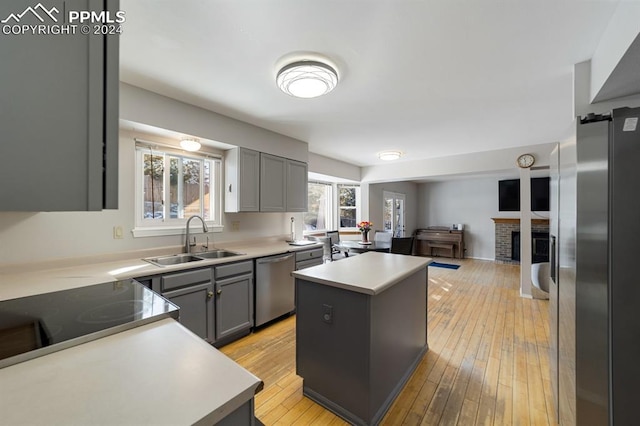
x=595, y=289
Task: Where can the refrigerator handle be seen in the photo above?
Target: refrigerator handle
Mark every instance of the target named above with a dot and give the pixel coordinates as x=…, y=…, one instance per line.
x=553, y=266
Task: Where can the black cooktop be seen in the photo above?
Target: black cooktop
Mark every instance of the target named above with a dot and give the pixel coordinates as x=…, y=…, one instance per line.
x=37, y=325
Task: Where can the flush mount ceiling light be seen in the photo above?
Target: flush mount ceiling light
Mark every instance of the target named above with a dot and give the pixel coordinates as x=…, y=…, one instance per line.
x=190, y=144
x=307, y=79
x=389, y=155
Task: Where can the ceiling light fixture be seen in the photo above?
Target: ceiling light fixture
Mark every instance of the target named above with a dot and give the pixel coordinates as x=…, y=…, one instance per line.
x=190, y=144
x=389, y=155
x=307, y=79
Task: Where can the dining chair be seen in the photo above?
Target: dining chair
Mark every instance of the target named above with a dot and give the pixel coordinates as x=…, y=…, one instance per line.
x=402, y=245
x=334, y=238
x=382, y=236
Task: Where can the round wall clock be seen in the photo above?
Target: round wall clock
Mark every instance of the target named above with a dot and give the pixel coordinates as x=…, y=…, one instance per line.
x=526, y=161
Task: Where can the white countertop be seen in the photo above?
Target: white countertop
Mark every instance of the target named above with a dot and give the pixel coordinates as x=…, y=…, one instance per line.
x=157, y=374
x=44, y=277
x=368, y=273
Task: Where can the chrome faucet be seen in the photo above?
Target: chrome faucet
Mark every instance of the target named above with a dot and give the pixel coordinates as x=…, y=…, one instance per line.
x=187, y=243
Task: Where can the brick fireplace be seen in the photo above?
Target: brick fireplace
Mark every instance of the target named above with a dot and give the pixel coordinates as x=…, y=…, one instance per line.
x=507, y=228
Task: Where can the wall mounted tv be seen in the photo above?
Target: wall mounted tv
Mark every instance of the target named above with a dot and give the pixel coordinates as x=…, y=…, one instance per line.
x=509, y=195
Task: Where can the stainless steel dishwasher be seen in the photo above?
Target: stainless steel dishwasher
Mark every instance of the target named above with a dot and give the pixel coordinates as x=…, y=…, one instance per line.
x=275, y=288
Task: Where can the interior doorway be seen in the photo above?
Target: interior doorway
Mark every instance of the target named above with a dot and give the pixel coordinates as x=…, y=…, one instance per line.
x=393, y=213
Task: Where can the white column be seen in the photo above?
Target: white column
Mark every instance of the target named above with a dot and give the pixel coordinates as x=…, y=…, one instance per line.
x=525, y=233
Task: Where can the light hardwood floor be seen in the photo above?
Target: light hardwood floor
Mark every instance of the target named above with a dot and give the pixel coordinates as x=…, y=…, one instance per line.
x=487, y=363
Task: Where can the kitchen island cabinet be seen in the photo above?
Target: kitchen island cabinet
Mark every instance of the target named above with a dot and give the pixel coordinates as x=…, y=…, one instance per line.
x=361, y=329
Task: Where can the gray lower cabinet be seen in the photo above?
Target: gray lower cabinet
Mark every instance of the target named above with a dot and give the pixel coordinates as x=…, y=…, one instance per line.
x=309, y=258
x=234, y=300
x=216, y=303
x=59, y=113
x=193, y=292
x=196, y=308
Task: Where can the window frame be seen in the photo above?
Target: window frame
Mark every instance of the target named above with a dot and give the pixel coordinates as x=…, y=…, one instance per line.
x=357, y=207
x=330, y=208
x=334, y=208
x=176, y=226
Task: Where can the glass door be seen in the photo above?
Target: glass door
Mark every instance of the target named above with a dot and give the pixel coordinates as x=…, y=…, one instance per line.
x=393, y=213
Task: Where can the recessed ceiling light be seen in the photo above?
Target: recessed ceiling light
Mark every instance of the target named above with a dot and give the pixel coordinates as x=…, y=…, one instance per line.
x=190, y=144
x=389, y=155
x=307, y=79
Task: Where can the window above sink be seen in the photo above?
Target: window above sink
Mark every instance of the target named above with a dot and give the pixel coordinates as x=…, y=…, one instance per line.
x=172, y=185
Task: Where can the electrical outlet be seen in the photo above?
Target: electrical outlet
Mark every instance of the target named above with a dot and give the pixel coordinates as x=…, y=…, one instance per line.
x=327, y=313
x=235, y=225
x=117, y=232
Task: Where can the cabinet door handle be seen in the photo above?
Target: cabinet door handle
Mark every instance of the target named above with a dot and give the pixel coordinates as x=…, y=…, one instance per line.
x=219, y=292
x=209, y=294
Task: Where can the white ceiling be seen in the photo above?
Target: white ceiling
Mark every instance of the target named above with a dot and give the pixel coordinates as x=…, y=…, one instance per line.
x=430, y=78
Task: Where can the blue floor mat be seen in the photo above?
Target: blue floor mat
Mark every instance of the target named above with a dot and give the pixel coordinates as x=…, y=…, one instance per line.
x=444, y=265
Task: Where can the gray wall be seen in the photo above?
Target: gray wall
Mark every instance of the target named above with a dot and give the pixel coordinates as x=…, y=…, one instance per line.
x=142, y=106
x=375, y=192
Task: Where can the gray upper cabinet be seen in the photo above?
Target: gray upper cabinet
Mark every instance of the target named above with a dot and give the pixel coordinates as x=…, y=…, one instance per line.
x=59, y=115
x=296, y=186
x=242, y=181
x=256, y=181
x=273, y=183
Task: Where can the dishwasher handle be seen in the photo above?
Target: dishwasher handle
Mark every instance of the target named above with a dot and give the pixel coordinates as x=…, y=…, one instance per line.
x=275, y=259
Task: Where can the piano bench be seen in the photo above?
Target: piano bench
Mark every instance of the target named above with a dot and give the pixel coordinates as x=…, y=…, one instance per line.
x=449, y=247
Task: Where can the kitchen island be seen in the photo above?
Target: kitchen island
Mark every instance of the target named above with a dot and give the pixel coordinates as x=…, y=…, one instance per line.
x=361, y=330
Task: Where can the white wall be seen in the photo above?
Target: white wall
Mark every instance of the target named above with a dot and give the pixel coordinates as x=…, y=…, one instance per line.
x=476, y=163
x=472, y=202
x=613, y=46
x=331, y=167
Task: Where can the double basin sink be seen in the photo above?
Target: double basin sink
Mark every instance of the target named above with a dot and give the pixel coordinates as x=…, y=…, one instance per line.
x=176, y=259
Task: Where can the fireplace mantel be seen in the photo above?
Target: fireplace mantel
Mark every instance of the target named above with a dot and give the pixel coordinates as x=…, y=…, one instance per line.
x=517, y=220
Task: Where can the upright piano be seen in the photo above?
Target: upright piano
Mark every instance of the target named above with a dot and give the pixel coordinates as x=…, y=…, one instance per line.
x=439, y=241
